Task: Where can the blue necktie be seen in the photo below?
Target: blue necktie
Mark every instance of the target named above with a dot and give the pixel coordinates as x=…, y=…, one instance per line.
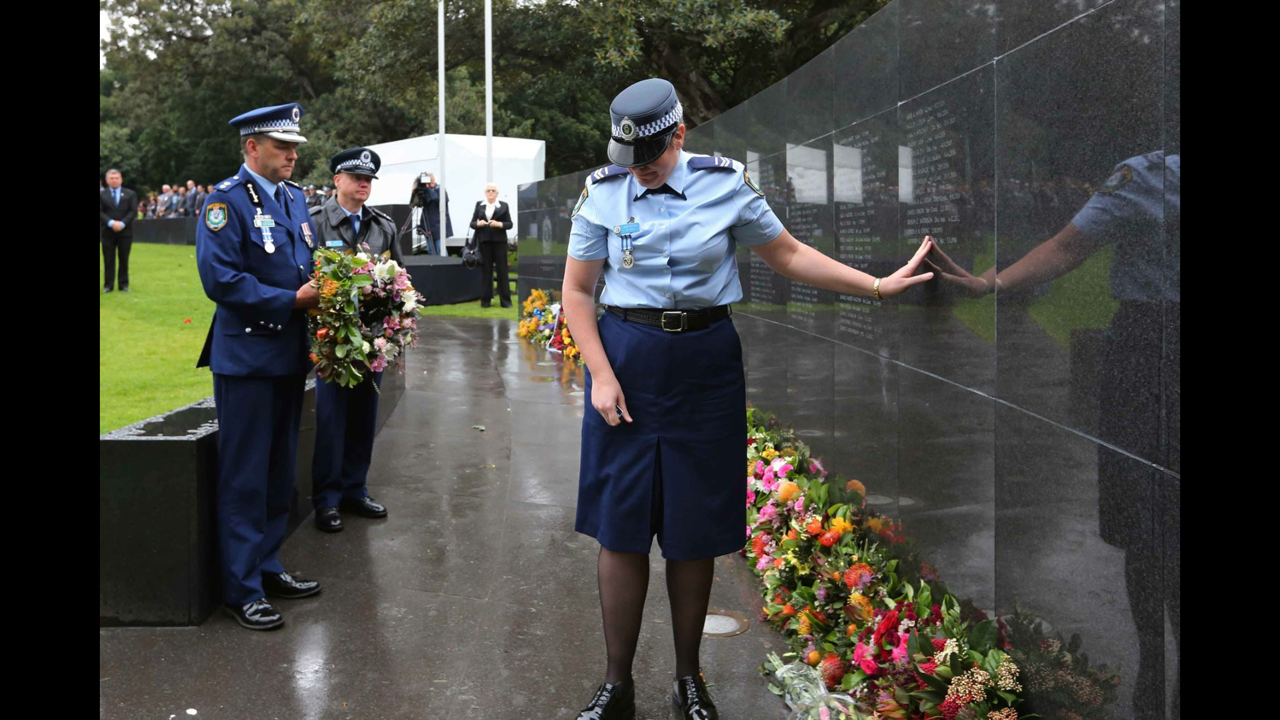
x=280, y=201
x=116, y=194
x=355, y=224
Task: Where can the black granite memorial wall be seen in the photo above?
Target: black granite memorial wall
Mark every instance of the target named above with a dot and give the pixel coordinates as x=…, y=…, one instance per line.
x=1028, y=438
x=157, y=542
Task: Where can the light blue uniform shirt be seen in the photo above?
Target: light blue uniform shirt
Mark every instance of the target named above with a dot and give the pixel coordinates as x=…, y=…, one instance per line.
x=1139, y=211
x=684, y=249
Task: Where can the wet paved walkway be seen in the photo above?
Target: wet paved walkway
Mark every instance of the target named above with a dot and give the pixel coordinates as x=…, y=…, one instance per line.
x=474, y=599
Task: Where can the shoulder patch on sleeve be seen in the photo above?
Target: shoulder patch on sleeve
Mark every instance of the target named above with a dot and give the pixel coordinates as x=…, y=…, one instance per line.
x=606, y=172
x=706, y=162
x=581, y=199
x=1117, y=180
x=215, y=215
x=746, y=178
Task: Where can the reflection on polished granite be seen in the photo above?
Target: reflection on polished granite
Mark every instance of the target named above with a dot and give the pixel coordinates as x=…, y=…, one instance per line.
x=474, y=598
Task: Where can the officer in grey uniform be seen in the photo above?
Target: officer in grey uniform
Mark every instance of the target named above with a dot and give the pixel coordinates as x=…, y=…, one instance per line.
x=662, y=446
x=345, y=417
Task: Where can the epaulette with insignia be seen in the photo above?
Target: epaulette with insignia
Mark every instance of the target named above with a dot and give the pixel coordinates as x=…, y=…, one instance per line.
x=381, y=214
x=228, y=183
x=315, y=210
x=293, y=183
x=606, y=172
x=706, y=162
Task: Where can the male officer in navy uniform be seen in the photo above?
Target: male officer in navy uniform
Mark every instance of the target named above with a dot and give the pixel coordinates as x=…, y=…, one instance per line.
x=253, y=251
x=345, y=416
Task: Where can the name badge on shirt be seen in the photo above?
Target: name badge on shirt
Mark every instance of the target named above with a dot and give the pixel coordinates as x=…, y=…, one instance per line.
x=627, y=228
x=334, y=243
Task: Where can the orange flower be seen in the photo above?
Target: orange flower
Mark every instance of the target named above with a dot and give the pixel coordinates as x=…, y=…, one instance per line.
x=814, y=657
x=791, y=534
x=814, y=527
x=804, y=628
x=859, y=574
x=851, y=630
x=777, y=562
x=788, y=609
x=829, y=538
x=314, y=358
x=787, y=490
x=855, y=486
x=860, y=606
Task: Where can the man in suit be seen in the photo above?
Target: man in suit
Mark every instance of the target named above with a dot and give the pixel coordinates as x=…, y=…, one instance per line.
x=345, y=417
x=492, y=220
x=427, y=196
x=253, y=251
x=118, y=207
x=189, y=206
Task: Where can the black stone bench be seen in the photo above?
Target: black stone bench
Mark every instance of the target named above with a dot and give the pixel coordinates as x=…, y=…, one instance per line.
x=157, y=546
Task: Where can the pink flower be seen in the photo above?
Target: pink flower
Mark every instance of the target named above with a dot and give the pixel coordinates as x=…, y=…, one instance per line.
x=401, y=281
x=759, y=468
x=769, y=512
x=769, y=483
x=751, y=497
x=821, y=593
x=900, y=652
x=378, y=364
x=815, y=466
x=799, y=505
x=764, y=563
x=864, y=659
x=781, y=467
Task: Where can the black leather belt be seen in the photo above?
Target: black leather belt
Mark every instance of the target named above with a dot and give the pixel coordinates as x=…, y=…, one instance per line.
x=672, y=320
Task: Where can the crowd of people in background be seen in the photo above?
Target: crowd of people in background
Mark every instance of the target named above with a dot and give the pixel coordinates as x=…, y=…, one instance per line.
x=187, y=200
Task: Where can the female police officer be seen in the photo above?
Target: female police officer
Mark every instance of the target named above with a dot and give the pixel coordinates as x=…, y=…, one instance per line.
x=662, y=451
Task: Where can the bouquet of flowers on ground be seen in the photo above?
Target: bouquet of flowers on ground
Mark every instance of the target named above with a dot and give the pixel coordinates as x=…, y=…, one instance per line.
x=539, y=318
x=367, y=315
x=544, y=324
x=874, y=620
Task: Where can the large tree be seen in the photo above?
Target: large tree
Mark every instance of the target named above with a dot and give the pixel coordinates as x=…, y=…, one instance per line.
x=366, y=72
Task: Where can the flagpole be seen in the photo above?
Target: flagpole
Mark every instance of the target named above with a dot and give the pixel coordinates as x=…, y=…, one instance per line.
x=488, y=88
x=444, y=204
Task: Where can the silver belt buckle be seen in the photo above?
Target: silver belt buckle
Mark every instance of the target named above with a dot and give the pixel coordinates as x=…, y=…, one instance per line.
x=684, y=320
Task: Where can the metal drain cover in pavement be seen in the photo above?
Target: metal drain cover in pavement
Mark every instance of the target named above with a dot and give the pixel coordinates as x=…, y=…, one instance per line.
x=724, y=623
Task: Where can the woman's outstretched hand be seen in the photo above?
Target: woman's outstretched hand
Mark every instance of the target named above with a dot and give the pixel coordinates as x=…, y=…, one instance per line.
x=956, y=275
x=906, y=276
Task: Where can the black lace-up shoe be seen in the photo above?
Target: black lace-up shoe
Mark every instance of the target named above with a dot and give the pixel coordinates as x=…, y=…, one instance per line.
x=288, y=587
x=364, y=507
x=328, y=520
x=691, y=701
x=612, y=702
x=256, y=615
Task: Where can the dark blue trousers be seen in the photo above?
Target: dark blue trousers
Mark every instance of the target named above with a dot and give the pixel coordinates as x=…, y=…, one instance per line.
x=344, y=441
x=257, y=458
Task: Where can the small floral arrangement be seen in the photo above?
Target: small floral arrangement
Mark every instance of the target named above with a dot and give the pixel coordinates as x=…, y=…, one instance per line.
x=544, y=324
x=874, y=620
x=366, y=318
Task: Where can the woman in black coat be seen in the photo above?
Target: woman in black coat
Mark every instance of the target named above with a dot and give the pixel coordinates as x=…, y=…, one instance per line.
x=492, y=220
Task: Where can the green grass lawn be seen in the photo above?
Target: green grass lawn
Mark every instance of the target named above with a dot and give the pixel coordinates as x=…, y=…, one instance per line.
x=147, y=353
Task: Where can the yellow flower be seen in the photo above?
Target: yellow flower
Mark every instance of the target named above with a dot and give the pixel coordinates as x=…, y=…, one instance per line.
x=842, y=525
x=875, y=524
x=788, y=451
x=769, y=454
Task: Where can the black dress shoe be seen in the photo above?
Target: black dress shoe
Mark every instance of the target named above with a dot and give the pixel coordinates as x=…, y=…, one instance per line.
x=256, y=615
x=484, y=304
x=691, y=701
x=328, y=520
x=612, y=702
x=284, y=585
x=124, y=288
x=107, y=289
x=364, y=507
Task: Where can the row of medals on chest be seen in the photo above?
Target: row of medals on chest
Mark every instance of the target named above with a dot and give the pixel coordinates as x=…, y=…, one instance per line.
x=625, y=232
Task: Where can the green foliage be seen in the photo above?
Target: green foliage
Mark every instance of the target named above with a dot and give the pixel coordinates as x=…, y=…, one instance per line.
x=366, y=72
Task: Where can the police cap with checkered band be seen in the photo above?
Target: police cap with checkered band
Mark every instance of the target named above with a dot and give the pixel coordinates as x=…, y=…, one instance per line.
x=356, y=161
x=277, y=121
x=643, y=118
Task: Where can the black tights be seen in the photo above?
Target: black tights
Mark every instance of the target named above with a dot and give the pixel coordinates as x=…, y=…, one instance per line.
x=624, y=582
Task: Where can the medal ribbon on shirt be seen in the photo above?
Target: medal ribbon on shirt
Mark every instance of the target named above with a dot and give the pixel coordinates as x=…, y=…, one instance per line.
x=625, y=232
x=260, y=220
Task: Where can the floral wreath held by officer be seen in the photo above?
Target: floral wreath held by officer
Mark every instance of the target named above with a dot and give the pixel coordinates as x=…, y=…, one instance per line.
x=662, y=226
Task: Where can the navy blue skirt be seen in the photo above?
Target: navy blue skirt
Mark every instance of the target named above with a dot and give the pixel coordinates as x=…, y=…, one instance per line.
x=677, y=470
